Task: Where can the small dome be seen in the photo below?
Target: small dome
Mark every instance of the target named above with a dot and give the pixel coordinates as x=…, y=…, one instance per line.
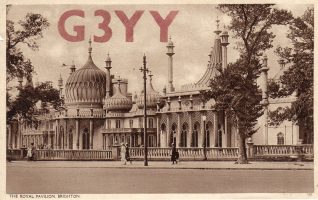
x=225, y=32
x=118, y=102
x=86, y=86
x=152, y=97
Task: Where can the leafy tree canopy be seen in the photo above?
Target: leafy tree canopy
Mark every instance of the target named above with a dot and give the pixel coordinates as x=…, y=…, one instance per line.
x=298, y=78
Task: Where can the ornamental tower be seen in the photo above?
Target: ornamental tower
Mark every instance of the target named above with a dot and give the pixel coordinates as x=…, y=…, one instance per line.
x=170, y=53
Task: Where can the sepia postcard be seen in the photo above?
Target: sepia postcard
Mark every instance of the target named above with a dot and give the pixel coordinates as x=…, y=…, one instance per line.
x=164, y=100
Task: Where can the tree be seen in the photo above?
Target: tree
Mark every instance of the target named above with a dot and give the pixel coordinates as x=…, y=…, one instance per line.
x=26, y=32
x=234, y=89
x=298, y=78
x=24, y=105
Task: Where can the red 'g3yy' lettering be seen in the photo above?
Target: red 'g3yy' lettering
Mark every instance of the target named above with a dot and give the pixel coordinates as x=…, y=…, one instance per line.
x=78, y=29
x=129, y=24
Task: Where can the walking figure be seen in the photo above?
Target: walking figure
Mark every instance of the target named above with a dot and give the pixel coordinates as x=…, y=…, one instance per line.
x=127, y=156
x=174, y=154
x=123, y=154
x=31, y=152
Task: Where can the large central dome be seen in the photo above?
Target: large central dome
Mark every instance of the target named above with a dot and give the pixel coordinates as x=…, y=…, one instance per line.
x=86, y=86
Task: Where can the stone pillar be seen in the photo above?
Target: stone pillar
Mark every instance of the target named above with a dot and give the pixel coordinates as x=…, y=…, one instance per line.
x=9, y=144
x=158, y=131
x=115, y=152
x=18, y=136
x=178, y=139
x=77, y=133
x=168, y=131
x=65, y=135
x=57, y=131
x=224, y=134
x=250, y=148
x=216, y=122
x=226, y=131
x=202, y=130
x=190, y=132
x=91, y=133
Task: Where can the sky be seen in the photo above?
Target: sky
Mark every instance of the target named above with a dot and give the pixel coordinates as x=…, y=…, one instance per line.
x=191, y=31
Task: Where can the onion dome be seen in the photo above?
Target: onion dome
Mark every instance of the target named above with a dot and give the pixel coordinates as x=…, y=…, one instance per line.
x=118, y=102
x=152, y=96
x=86, y=86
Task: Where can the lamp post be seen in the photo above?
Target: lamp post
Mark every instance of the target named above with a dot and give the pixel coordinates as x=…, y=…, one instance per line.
x=204, y=137
x=145, y=70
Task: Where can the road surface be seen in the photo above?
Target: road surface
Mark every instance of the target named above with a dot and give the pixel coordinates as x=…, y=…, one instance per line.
x=50, y=179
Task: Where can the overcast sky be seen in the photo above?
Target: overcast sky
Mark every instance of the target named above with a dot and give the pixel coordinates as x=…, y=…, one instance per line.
x=191, y=32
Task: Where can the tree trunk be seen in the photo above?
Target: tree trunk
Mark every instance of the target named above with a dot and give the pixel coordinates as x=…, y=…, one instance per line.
x=242, y=158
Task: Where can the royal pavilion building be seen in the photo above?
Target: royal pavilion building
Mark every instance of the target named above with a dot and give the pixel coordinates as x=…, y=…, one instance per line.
x=99, y=112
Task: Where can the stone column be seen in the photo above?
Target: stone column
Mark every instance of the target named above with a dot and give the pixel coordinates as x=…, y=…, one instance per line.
x=9, y=144
x=77, y=133
x=158, y=132
x=18, y=136
x=216, y=122
x=178, y=139
x=224, y=136
x=201, y=134
x=91, y=133
x=168, y=131
x=65, y=135
x=56, y=134
x=190, y=132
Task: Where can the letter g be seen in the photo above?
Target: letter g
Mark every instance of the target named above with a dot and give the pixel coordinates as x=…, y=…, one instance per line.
x=78, y=29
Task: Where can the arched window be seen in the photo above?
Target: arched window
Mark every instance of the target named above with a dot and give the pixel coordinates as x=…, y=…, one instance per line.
x=173, y=135
x=163, y=128
x=280, y=139
x=195, y=136
x=184, y=133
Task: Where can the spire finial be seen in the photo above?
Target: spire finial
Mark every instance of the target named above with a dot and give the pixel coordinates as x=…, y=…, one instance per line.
x=217, y=22
x=90, y=46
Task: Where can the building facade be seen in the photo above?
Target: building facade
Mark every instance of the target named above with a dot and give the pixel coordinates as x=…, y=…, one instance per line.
x=99, y=112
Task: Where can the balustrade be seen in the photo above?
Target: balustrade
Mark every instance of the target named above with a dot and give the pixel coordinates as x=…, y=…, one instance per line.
x=73, y=155
x=282, y=150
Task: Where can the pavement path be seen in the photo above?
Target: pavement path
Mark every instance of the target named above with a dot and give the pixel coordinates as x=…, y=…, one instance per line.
x=214, y=165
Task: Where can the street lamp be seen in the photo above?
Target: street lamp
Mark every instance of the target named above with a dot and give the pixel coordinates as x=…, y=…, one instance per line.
x=204, y=137
x=145, y=70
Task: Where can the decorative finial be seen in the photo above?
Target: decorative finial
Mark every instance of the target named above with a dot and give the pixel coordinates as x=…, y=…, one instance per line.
x=90, y=46
x=217, y=22
x=150, y=76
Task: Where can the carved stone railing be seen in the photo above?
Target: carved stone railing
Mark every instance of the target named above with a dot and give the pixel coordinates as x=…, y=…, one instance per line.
x=194, y=153
x=73, y=155
x=222, y=153
x=254, y=152
x=283, y=150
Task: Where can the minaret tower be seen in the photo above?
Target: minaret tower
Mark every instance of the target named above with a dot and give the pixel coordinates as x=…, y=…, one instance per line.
x=170, y=53
x=224, y=43
x=265, y=102
x=60, y=84
x=108, y=62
